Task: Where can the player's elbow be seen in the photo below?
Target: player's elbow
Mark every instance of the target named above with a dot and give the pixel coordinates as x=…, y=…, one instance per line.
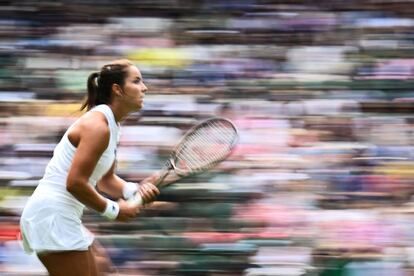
x=74, y=186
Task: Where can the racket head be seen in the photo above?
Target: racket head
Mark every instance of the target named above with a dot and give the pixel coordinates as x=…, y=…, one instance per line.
x=204, y=146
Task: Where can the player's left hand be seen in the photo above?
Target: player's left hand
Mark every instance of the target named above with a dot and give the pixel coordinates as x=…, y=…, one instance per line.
x=148, y=192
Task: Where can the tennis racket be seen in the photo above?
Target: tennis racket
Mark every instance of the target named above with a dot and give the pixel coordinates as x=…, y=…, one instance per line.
x=201, y=148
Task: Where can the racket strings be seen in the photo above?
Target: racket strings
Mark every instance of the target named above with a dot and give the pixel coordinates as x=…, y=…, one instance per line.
x=227, y=132
x=193, y=153
x=202, y=149
x=206, y=146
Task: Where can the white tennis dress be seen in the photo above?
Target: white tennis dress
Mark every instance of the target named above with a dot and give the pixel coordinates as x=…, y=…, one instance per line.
x=51, y=219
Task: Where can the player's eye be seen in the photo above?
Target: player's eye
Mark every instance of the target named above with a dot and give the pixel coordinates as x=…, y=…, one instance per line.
x=137, y=81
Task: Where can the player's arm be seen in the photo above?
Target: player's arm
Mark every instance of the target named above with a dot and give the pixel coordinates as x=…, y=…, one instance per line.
x=111, y=184
x=92, y=135
x=115, y=187
x=91, y=138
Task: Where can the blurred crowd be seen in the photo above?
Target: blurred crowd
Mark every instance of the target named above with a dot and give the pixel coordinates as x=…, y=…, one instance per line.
x=321, y=92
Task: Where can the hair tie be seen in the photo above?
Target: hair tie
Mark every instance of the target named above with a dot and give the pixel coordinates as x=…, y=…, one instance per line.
x=97, y=78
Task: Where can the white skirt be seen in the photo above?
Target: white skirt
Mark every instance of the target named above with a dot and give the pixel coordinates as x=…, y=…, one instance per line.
x=47, y=227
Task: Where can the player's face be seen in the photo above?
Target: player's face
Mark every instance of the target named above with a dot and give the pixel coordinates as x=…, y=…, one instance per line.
x=134, y=88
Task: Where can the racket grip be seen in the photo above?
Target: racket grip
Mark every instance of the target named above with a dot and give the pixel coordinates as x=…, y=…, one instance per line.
x=136, y=199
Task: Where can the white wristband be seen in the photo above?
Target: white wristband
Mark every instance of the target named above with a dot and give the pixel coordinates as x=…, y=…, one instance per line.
x=112, y=209
x=129, y=190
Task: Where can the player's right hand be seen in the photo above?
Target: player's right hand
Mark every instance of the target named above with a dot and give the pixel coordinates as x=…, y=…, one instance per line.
x=127, y=210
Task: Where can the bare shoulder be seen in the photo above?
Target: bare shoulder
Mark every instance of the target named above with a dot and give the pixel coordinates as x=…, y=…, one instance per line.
x=91, y=126
x=95, y=122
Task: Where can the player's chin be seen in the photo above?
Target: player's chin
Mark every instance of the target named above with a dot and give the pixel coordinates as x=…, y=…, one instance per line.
x=140, y=106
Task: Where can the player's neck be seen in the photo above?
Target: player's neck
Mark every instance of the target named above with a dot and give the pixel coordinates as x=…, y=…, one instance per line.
x=118, y=112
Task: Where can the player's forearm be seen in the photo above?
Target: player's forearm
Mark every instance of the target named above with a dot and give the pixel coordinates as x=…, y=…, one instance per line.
x=112, y=186
x=85, y=193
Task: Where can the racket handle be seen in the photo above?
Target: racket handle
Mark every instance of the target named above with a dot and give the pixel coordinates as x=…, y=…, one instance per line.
x=136, y=199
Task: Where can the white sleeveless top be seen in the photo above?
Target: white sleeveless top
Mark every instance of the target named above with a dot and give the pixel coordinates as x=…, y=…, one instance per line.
x=51, y=202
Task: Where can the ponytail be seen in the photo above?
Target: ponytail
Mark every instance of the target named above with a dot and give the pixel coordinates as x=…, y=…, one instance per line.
x=100, y=83
x=92, y=91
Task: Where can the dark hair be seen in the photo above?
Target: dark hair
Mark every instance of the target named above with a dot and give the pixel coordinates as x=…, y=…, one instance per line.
x=100, y=83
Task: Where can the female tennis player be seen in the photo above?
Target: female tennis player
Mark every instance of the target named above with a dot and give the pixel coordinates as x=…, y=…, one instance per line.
x=82, y=163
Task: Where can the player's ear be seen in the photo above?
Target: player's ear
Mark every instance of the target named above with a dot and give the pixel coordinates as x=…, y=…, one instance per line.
x=117, y=89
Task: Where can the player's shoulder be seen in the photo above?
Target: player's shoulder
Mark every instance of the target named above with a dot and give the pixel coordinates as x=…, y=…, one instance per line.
x=94, y=123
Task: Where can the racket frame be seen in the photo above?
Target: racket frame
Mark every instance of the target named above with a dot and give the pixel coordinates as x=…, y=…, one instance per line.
x=170, y=164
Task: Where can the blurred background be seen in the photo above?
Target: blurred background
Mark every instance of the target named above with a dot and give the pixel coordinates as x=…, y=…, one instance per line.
x=322, y=93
